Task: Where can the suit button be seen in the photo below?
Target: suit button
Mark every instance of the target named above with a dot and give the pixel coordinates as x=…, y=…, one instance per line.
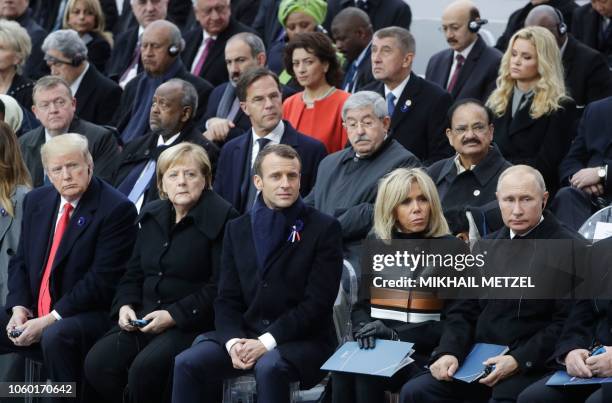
x=158, y=301
x=195, y=311
x=529, y=364
x=147, y=152
x=476, y=192
x=10, y=252
x=265, y=322
x=165, y=245
x=160, y=274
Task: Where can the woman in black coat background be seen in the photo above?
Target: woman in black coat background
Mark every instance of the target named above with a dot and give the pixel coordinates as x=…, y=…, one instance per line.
x=171, y=282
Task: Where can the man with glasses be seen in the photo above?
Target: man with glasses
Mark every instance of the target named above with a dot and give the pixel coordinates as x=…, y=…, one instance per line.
x=469, y=68
x=205, y=45
x=469, y=178
x=347, y=180
x=54, y=106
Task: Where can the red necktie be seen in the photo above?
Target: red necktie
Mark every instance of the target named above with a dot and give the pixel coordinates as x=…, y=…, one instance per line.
x=455, y=77
x=198, y=67
x=44, y=296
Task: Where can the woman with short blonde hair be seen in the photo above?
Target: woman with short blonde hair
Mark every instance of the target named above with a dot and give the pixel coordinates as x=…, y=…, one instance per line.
x=16, y=48
x=535, y=119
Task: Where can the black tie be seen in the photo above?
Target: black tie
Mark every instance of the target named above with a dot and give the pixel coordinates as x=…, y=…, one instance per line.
x=263, y=142
x=251, y=191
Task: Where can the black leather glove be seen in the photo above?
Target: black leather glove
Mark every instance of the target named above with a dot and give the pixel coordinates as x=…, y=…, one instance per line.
x=367, y=335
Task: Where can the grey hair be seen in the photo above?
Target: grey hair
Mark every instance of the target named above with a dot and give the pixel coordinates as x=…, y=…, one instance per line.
x=364, y=99
x=17, y=38
x=66, y=41
x=523, y=170
x=253, y=41
x=190, y=95
x=64, y=143
x=47, y=82
x=402, y=36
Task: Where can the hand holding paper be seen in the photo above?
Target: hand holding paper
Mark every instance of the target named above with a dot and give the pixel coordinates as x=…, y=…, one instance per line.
x=444, y=368
x=504, y=366
x=575, y=363
x=601, y=365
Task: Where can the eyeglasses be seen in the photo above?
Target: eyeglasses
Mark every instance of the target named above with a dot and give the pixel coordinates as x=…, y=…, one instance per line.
x=144, y=2
x=478, y=129
x=56, y=171
x=365, y=124
x=59, y=103
x=450, y=28
x=53, y=61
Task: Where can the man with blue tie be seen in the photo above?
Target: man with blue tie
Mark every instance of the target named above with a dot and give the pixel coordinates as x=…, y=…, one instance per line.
x=259, y=92
x=77, y=236
x=282, y=263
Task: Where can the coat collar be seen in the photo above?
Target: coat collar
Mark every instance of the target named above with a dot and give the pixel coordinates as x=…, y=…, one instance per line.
x=484, y=172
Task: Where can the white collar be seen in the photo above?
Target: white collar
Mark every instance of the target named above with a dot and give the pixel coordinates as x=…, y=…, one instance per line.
x=397, y=91
x=275, y=135
x=564, y=45
x=513, y=234
x=74, y=87
x=63, y=203
x=362, y=55
x=162, y=142
x=465, y=52
x=206, y=35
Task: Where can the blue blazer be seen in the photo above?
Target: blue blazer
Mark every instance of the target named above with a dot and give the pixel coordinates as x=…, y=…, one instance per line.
x=91, y=257
x=291, y=297
x=230, y=182
x=476, y=78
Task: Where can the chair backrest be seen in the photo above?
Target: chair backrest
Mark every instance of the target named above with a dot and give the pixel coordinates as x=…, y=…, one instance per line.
x=598, y=226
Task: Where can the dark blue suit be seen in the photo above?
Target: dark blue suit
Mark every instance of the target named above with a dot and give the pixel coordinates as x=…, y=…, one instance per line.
x=232, y=184
x=88, y=265
x=591, y=148
x=477, y=76
x=290, y=297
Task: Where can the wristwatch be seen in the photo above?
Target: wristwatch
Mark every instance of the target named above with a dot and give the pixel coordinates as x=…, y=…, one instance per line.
x=602, y=172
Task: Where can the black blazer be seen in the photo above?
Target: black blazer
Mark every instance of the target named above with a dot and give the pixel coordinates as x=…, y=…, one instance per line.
x=382, y=13
x=170, y=278
x=588, y=27
x=122, y=54
x=516, y=20
x=102, y=146
x=35, y=66
x=593, y=144
x=230, y=182
x=124, y=112
x=142, y=148
x=586, y=73
x=541, y=143
x=91, y=257
x=291, y=297
x=98, y=50
x=21, y=89
x=214, y=69
x=419, y=120
x=97, y=97
x=477, y=76
x=266, y=21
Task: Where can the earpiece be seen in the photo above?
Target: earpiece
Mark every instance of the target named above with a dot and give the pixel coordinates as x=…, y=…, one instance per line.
x=561, y=26
x=474, y=25
x=77, y=60
x=173, y=50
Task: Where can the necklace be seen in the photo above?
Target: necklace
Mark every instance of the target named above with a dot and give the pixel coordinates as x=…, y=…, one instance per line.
x=310, y=102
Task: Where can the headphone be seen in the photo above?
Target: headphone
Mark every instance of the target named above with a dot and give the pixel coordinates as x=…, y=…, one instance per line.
x=77, y=60
x=561, y=26
x=474, y=25
x=173, y=50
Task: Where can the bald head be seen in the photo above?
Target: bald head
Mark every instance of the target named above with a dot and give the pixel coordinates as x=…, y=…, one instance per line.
x=547, y=17
x=455, y=20
x=158, y=39
x=352, y=31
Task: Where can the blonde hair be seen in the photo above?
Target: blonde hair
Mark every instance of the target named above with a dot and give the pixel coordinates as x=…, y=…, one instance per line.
x=13, y=170
x=550, y=89
x=18, y=39
x=94, y=7
x=393, y=189
x=65, y=143
x=180, y=153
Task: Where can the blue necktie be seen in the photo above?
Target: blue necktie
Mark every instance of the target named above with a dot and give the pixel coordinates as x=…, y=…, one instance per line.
x=349, y=78
x=390, y=104
x=143, y=181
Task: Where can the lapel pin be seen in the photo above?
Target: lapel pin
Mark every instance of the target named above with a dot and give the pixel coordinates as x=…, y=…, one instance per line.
x=406, y=105
x=3, y=212
x=476, y=192
x=295, y=231
x=81, y=221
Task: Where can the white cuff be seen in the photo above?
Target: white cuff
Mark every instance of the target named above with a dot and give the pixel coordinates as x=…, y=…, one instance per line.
x=268, y=341
x=56, y=315
x=230, y=344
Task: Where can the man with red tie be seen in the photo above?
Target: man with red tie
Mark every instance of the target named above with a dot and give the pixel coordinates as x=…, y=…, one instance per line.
x=76, y=238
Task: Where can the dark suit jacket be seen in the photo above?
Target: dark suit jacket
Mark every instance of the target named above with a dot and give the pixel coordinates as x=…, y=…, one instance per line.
x=97, y=97
x=266, y=21
x=477, y=76
x=593, y=144
x=587, y=29
x=98, y=51
x=123, y=53
x=541, y=143
x=35, y=66
x=124, y=113
x=188, y=286
x=291, y=297
x=516, y=20
x=586, y=73
x=245, y=11
x=102, y=146
x=214, y=69
x=140, y=150
x=383, y=13
x=91, y=257
x=420, y=127
x=230, y=182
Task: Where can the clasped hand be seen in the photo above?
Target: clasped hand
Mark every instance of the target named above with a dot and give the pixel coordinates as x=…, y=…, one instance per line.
x=246, y=352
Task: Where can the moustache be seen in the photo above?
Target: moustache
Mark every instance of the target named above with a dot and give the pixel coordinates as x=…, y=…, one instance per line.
x=471, y=141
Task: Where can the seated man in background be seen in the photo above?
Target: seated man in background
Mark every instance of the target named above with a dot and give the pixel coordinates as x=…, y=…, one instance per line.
x=282, y=264
x=76, y=239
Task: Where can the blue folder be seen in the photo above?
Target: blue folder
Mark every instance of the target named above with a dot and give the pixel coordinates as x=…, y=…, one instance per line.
x=385, y=359
x=473, y=367
x=562, y=378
